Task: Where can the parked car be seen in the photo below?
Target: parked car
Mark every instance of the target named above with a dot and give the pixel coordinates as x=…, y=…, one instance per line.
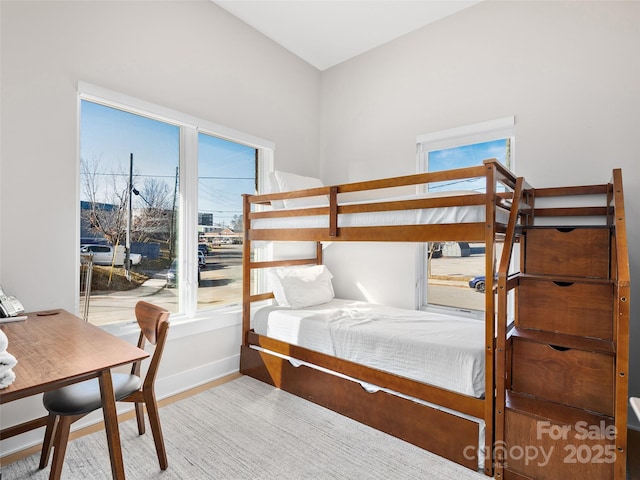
x=104, y=255
x=204, y=248
x=202, y=261
x=478, y=283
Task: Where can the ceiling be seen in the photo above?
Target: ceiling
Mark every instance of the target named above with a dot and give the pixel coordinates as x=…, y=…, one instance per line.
x=325, y=33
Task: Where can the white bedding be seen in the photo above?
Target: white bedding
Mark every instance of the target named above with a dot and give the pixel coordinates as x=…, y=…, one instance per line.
x=443, y=350
x=423, y=216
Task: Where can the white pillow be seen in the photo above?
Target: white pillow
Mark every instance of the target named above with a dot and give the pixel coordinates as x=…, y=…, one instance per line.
x=272, y=187
x=288, y=182
x=299, y=287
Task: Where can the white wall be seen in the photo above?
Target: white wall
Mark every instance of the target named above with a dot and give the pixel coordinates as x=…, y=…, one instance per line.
x=190, y=56
x=568, y=71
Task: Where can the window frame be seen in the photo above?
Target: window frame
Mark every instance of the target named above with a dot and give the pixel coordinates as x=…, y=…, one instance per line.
x=190, y=127
x=450, y=138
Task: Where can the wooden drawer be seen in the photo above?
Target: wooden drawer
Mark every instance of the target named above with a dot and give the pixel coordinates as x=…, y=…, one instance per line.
x=511, y=475
x=581, y=309
x=546, y=449
x=580, y=378
x=577, y=252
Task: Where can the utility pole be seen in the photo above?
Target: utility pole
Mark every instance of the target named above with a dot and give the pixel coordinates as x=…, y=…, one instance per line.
x=172, y=227
x=127, y=258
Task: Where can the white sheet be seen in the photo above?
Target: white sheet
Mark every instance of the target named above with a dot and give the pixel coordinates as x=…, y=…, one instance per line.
x=442, y=350
x=424, y=216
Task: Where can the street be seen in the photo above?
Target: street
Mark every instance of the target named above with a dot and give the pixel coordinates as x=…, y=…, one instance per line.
x=221, y=279
x=449, y=282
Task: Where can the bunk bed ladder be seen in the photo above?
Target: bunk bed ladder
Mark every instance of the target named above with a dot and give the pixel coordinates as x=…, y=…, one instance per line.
x=522, y=207
x=622, y=295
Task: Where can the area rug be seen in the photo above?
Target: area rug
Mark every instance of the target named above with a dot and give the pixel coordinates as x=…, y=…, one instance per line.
x=245, y=429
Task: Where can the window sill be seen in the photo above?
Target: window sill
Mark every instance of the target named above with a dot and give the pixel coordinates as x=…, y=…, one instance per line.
x=184, y=326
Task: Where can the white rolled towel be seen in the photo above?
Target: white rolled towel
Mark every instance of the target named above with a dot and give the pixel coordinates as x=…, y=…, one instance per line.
x=4, y=341
x=7, y=361
x=7, y=378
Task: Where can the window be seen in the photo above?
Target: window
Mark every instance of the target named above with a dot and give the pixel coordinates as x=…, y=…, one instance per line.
x=226, y=170
x=160, y=207
x=451, y=273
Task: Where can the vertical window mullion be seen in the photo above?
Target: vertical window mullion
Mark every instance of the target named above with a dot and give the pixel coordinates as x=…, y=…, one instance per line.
x=189, y=230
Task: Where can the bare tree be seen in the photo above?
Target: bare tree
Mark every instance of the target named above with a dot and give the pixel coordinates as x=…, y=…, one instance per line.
x=153, y=220
x=107, y=206
x=237, y=224
x=106, y=201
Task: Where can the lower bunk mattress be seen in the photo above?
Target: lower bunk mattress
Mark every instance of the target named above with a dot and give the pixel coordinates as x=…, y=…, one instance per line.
x=443, y=350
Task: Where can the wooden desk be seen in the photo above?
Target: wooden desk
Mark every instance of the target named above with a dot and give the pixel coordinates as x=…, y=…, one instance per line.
x=55, y=348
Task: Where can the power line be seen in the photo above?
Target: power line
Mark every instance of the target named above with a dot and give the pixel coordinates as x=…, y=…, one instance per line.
x=168, y=176
x=225, y=178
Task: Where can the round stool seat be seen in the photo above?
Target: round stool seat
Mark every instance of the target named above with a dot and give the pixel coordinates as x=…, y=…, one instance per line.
x=84, y=397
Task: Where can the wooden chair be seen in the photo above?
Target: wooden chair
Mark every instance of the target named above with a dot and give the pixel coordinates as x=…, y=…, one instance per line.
x=69, y=404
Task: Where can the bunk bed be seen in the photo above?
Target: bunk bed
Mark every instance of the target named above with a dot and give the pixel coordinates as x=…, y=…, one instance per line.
x=462, y=425
x=456, y=425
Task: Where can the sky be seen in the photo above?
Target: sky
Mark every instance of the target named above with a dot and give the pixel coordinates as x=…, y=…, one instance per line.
x=465, y=156
x=225, y=169
x=109, y=136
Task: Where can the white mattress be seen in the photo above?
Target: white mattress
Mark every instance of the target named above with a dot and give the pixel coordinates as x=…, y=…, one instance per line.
x=423, y=216
x=443, y=350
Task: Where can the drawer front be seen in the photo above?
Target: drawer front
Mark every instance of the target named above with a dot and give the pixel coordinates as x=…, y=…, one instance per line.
x=509, y=475
x=581, y=309
x=549, y=450
x=578, y=252
x=569, y=376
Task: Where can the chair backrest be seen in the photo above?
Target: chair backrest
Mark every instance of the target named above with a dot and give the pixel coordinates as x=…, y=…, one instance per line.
x=635, y=404
x=154, y=326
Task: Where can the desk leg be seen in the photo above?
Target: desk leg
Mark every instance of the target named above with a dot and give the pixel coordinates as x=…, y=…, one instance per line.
x=111, y=424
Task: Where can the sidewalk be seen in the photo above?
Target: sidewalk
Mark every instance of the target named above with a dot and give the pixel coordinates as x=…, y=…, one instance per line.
x=452, y=270
x=148, y=288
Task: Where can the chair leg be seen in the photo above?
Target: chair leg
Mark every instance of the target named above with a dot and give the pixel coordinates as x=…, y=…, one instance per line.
x=140, y=417
x=156, y=429
x=47, y=443
x=60, y=446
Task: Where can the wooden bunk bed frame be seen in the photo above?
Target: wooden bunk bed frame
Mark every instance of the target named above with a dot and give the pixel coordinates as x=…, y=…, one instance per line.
x=425, y=425
x=433, y=429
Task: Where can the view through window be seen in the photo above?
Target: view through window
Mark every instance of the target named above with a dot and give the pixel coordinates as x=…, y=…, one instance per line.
x=226, y=170
x=137, y=241
x=455, y=270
